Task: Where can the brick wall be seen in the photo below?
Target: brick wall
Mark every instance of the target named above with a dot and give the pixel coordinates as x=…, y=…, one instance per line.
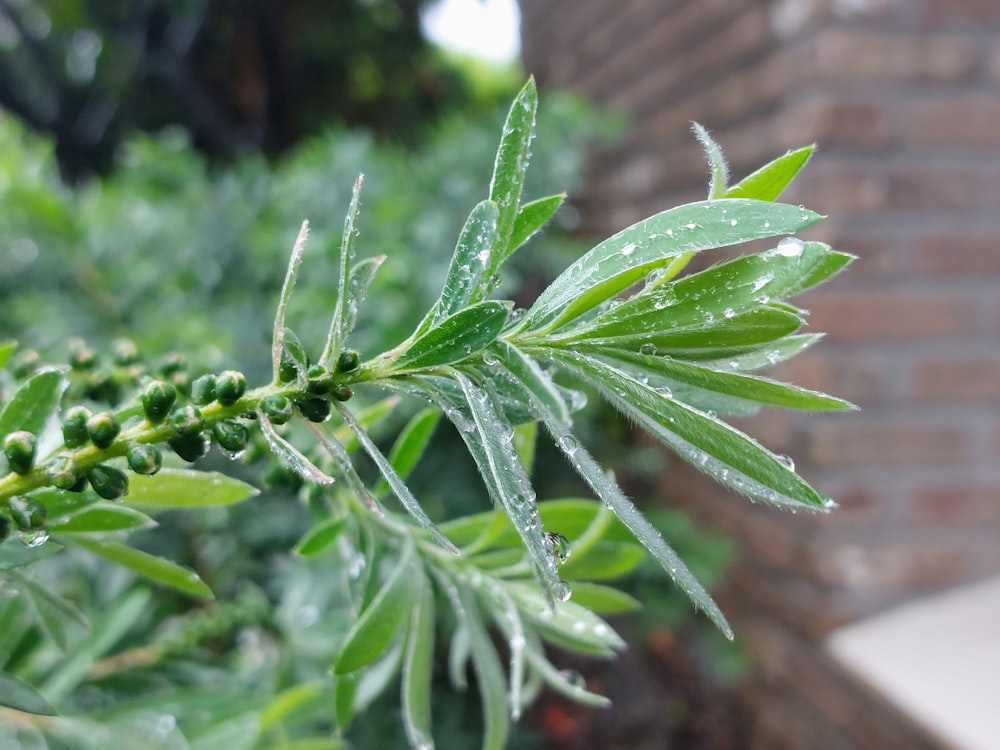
x=903, y=97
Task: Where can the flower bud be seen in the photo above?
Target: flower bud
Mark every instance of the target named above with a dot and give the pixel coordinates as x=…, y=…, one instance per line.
x=81, y=356
x=157, y=401
x=190, y=447
x=187, y=421
x=19, y=448
x=288, y=370
x=108, y=482
x=231, y=436
x=203, y=389
x=277, y=408
x=124, y=352
x=321, y=382
x=28, y=513
x=341, y=392
x=103, y=428
x=144, y=458
x=62, y=472
x=74, y=426
x=314, y=409
x=230, y=386
x=173, y=362
x=347, y=360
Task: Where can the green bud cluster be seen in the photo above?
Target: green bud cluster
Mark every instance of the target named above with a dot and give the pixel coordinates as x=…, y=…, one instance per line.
x=108, y=482
x=103, y=428
x=28, y=514
x=144, y=458
x=63, y=473
x=157, y=400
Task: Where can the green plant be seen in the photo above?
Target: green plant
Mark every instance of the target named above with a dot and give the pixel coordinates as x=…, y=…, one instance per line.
x=670, y=352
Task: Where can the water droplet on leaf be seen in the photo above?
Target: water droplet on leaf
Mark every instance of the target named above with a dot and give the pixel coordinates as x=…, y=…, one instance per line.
x=562, y=591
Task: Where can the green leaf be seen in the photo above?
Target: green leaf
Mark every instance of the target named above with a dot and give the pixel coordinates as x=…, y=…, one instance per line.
x=716, y=162
x=531, y=217
x=294, y=261
x=630, y=255
x=55, y=613
x=236, y=733
x=567, y=625
x=374, y=630
x=186, y=488
x=291, y=699
x=289, y=456
x=7, y=349
x=527, y=371
x=361, y=278
x=604, y=560
x=320, y=536
x=491, y=443
x=456, y=338
x=101, y=517
x=33, y=403
x=418, y=664
x=13, y=554
x=768, y=182
x=156, y=569
x=16, y=694
x=666, y=372
x=611, y=495
x=489, y=671
x=710, y=445
x=466, y=280
x=562, y=681
x=396, y=482
x=509, y=169
x=410, y=445
x=603, y=600
x=338, y=328
x=757, y=358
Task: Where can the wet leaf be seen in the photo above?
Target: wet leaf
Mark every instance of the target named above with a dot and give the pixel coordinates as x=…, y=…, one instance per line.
x=156, y=569
x=466, y=279
x=186, y=488
x=19, y=695
x=768, y=182
x=465, y=333
x=33, y=402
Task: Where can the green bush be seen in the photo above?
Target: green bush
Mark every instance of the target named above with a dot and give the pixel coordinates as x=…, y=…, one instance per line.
x=303, y=643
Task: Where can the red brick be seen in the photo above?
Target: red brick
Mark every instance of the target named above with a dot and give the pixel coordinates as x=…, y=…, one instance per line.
x=882, y=315
x=963, y=503
x=967, y=379
x=833, y=121
x=873, y=56
x=940, y=13
x=859, y=379
x=863, y=441
x=955, y=255
x=912, y=565
x=953, y=119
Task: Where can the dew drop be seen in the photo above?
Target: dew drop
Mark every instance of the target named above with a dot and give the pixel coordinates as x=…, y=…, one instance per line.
x=233, y=455
x=733, y=222
x=574, y=678
x=728, y=312
x=32, y=539
x=648, y=349
x=562, y=591
x=790, y=247
x=490, y=359
x=558, y=546
x=665, y=391
x=628, y=249
x=569, y=444
x=786, y=461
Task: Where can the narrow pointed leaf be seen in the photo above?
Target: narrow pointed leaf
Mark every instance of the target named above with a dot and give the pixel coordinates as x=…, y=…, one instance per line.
x=716, y=162
x=630, y=255
x=338, y=331
x=644, y=532
x=527, y=371
x=671, y=372
x=320, y=536
x=506, y=479
x=186, y=488
x=101, y=517
x=489, y=672
x=418, y=664
x=156, y=569
x=456, y=338
x=361, y=278
x=531, y=217
x=510, y=166
x=765, y=356
x=278, y=343
x=559, y=680
x=396, y=482
x=568, y=624
x=342, y=461
x=466, y=279
x=770, y=181
x=33, y=402
x=710, y=445
x=289, y=455
x=374, y=630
